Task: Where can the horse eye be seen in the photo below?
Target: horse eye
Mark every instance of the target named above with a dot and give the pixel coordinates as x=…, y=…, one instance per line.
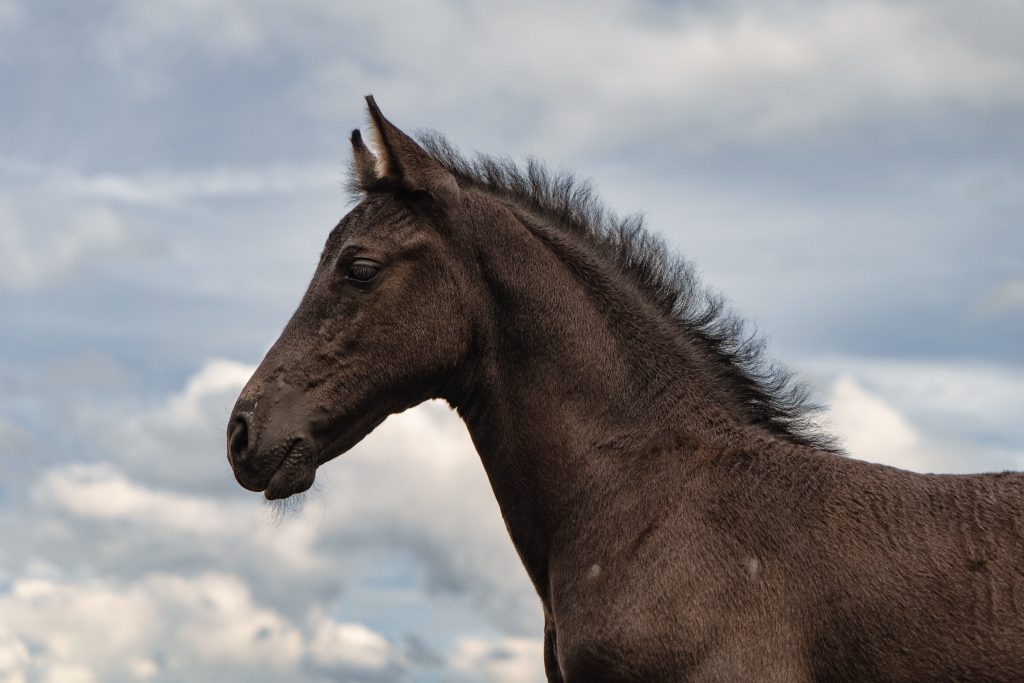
x=362, y=270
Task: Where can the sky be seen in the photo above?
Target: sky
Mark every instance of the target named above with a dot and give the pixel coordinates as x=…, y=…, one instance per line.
x=850, y=175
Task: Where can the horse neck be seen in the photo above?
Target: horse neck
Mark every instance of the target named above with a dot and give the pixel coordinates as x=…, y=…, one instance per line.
x=578, y=380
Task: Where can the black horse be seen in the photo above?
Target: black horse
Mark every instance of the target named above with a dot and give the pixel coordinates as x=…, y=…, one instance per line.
x=678, y=514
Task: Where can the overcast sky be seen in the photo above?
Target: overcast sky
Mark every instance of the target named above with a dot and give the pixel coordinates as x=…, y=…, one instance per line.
x=849, y=174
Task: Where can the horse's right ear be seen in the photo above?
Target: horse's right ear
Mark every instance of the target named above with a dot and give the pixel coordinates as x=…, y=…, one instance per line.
x=400, y=160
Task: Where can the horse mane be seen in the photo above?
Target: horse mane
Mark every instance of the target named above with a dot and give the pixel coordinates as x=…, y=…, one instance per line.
x=769, y=394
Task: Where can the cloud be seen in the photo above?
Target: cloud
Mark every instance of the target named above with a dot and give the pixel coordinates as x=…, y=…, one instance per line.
x=216, y=377
x=31, y=257
x=760, y=74
x=508, y=660
x=927, y=416
x=416, y=485
x=169, y=188
x=100, y=492
x=980, y=401
x=688, y=75
x=162, y=495
x=165, y=627
x=14, y=657
x=347, y=644
x=872, y=430
x=424, y=454
x=157, y=187
x=179, y=440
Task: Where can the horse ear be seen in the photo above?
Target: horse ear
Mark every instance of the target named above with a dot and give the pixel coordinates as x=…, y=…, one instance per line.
x=365, y=161
x=402, y=160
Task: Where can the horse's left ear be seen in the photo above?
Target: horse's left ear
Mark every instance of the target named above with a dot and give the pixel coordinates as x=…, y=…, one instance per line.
x=400, y=159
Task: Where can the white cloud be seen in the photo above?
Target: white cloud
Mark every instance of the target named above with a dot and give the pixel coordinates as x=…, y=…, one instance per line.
x=223, y=624
x=928, y=416
x=216, y=378
x=976, y=401
x=101, y=492
x=162, y=187
x=415, y=485
x=179, y=440
x=508, y=660
x=170, y=627
x=161, y=625
x=346, y=644
x=872, y=430
x=33, y=255
x=63, y=673
x=14, y=657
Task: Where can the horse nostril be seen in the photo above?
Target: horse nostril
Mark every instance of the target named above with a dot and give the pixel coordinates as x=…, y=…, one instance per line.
x=238, y=439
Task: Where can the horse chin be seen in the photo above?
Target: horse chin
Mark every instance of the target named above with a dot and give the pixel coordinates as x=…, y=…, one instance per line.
x=297, y=471
x=294, y=475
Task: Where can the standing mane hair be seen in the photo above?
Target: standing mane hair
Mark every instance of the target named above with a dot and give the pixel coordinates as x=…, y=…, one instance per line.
x=767, y=391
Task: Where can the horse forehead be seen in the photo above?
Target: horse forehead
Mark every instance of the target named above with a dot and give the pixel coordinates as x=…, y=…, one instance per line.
x=380, y=214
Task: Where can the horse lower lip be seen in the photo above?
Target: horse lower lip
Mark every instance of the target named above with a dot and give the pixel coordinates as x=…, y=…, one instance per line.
x=291, y=476
x=260, y=481
x=274, y=487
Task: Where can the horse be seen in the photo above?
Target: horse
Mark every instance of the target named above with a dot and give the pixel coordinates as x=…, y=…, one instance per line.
x=679, y=513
